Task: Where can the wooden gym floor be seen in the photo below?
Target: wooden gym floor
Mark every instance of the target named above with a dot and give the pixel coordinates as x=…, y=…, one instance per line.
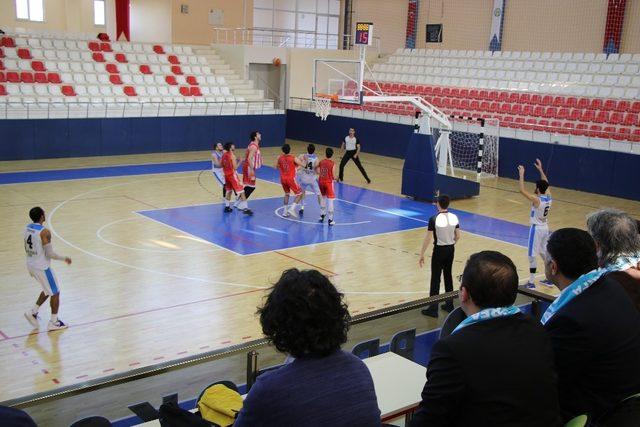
x=140, y=292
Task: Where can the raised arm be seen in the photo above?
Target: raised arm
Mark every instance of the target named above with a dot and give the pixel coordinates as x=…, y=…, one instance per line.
x=525, y=193
x=45, y=235
x=538, y=165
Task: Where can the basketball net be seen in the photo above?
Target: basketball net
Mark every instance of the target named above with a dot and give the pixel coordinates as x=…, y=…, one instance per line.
x=322, y=105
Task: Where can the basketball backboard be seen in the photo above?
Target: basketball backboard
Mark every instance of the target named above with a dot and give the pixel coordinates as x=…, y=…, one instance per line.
x=338, y=79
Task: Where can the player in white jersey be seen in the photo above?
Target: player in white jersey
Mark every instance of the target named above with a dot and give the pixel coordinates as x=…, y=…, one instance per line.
x=216, y=166
x=39, y=250
x=307, y=176
x=539, y=231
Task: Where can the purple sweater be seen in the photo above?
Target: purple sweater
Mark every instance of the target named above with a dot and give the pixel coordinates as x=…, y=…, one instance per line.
x=331, y=391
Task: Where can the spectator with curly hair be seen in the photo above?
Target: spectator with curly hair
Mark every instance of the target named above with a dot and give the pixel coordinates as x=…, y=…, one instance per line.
x=305, y=317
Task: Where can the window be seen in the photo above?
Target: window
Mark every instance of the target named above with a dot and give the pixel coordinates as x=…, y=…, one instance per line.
x=300, y=23
x=98, y=12
x=30, y=10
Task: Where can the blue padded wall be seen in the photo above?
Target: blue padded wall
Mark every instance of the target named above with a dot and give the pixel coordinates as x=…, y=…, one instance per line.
x=41, y=139
x=595, y=171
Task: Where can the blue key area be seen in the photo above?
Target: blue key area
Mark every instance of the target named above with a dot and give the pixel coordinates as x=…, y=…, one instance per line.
x=359, y=212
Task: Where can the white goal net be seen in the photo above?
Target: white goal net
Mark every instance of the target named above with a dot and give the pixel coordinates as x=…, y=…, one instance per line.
x=474, y=145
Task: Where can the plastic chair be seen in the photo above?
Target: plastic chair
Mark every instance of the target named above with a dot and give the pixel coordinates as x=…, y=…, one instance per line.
x=408, y=338
x=367, y=348
x=452, y=321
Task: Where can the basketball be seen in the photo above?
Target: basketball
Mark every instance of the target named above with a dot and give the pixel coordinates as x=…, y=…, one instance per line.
x=276, y=61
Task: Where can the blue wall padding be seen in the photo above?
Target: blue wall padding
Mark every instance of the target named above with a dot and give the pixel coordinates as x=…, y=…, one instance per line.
x=595, y=171
x=48, y=138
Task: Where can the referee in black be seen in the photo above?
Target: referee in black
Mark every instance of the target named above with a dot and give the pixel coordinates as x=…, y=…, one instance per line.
x=444, y=228
x=351, y=145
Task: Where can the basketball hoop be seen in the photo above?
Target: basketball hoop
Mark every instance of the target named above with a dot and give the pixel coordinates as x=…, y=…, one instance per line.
x=322, y=104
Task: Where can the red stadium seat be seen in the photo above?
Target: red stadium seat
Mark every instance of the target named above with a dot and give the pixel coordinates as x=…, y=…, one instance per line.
x=37, y=66
x=475, y=105
x=192, y=80
x=483, y=94
x=631, y=119
x=1, y=53
x=436, y=91
x=446, y=91
x=105, y=47
x=562, y=114
x=543, y=125
x=446, y=103
x=195, y=91
x=112, y=68
x=3, y=77
x=173, y=59
x=555, y=126
x=26, y=77
x=464, y=104
x=575, y=114
x=484, y=105
x=492, y=95
x=601, y=117
x=8, y=42
x=580, y=130
x=507, y=121
x=184, y=91
x=505, y=108
x=514, y=97
x=536, y=99
x=559, y=101
x=120, y=57
x=608, y=132
x=68, y=91
x=171, y=80
x=594, y=131
x=145, y=69
x=595, y=104
x=550, y=112
x=516, y=109
x=437, y=101
x=583, y=103
x=567, y=127
x=622, y=134
x=455, y=92
x=3, y=91
x=527, y=110
x=494, y=107
x=518, y=123
x=571, y=102
x=115, y=79
x=524, y=98
x=129, y=91
x=615, y=118
x=94, y=46
x=635, y=107
x=623, y=106
x=529, y=124
x=54, y=78
x=503, y=97
x=24, y=53
x=588, y=116
x=464, y=93
x=610, y=105
x=635, y=135
x=1, y=65
x=98, y=57
x=13, y=77
x=175, y=69
x=158, y=49
x=547, y=100
x=40, y=77
x=455, y=103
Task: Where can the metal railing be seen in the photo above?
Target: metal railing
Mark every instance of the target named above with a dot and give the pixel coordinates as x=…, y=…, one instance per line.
x=63, y=110
x=276, y=37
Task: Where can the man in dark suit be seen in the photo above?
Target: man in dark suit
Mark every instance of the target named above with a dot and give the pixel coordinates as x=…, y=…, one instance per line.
x=496, y=368
x=594, y=328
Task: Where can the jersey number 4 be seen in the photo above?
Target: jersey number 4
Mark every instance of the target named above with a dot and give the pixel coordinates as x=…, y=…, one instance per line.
x=29, y=242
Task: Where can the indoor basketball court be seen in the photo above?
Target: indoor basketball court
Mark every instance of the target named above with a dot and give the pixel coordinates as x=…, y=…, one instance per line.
x=163, y=278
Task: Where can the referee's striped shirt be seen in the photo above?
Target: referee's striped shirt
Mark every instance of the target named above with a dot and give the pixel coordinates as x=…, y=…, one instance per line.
x=443, y=225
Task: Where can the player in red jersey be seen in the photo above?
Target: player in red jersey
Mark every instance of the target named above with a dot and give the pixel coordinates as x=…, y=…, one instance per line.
x=229, y=164
x=287, y=164
x=252, y=162
x=326, y=170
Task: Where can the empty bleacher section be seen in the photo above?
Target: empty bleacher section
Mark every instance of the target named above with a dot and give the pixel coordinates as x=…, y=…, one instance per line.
x=579, y=94
x=53, y=75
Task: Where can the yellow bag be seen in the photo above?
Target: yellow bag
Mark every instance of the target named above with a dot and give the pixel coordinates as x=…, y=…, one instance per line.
x=220, y=404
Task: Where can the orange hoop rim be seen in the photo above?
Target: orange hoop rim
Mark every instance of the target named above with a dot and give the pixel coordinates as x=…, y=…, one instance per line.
x=327, y=96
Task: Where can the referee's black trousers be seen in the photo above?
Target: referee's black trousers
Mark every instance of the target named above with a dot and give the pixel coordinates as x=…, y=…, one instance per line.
x=441, y=262
x=347, y=156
